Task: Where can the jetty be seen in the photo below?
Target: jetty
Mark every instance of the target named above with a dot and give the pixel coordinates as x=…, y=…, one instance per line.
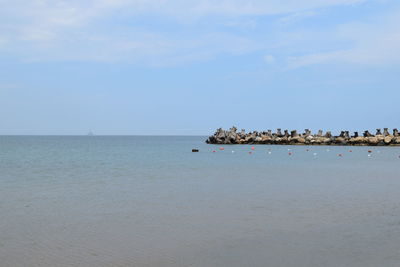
x=232, y=136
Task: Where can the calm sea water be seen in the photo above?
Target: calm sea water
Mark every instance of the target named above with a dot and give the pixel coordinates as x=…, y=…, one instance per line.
x=150, y=201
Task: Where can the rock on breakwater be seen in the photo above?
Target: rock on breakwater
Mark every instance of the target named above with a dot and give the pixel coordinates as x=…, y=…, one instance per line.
x=232, y=136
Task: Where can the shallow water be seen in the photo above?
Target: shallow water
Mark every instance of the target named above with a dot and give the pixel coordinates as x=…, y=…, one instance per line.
x=150, y=201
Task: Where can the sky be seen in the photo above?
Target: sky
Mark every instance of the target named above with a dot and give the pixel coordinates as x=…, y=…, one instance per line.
x=187, y=67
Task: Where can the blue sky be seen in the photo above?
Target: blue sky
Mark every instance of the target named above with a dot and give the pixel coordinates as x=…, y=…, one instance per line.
x=188, y=67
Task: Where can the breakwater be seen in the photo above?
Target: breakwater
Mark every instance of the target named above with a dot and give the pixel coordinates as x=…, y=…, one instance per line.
x=232, y=136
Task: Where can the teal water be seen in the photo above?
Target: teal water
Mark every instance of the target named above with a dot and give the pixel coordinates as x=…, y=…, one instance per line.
x=150, y=201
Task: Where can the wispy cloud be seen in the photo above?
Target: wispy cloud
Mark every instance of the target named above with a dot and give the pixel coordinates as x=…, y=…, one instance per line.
x=269, y=59
x=115, y=30
x=297, y=16
x=373, y=44
x=317, y=58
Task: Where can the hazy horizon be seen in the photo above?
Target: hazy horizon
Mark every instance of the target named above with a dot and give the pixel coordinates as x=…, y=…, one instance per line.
x=314, y=131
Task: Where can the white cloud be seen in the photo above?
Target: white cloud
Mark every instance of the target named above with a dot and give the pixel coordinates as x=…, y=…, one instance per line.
x=242, y=23
x=373, y=44
x=75, y=13
x=294, y=17
x=73, y=30
x=316, y=58
x=269, y=59
x=248, y=7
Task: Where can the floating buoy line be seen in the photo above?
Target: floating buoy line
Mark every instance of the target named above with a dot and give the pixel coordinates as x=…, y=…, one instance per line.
x=290, y=153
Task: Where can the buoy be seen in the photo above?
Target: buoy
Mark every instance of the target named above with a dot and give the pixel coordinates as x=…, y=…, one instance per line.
x=307, y=149
x=214, y=151
x=221, y=148
x=369, y=151
x=195, y=150
x=270, y=152
x=290, y=153
x=340, y=155
x=252, y=148
x=350, y=151
x=250, y=152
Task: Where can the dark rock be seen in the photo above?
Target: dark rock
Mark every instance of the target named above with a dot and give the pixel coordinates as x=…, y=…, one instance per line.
x=367, y=134
x=385, y=132
x=286, y=133
x=328, y=134
x=344, y=134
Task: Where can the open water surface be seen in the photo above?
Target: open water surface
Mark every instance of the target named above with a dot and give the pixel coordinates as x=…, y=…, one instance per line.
x=150, y=201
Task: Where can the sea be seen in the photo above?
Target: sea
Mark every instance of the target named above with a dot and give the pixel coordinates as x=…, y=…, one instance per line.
x=151, y=201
